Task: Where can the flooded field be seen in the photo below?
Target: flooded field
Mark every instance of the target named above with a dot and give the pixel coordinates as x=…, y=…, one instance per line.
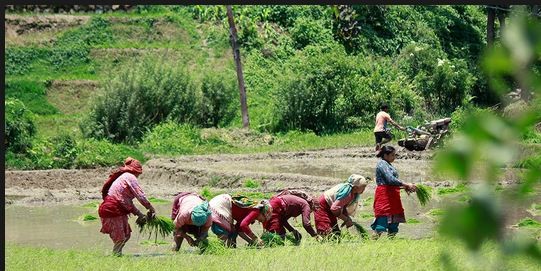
x=44, y=208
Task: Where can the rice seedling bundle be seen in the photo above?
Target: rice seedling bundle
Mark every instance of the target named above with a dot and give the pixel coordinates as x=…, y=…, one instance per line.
x=424, y=194
x=157, y=225
x=272, y=239
x=360, y=229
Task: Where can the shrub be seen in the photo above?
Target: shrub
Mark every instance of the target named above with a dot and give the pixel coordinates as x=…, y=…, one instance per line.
x=308, y=31
x=138, y=98
x=19, y=126
x=171, y=138
x=218, y=103
x=65, y=151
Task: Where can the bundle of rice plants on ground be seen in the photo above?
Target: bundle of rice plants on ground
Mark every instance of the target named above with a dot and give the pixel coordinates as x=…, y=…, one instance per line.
x=213, y=246
x=272, y=239
x=424, y=194
x=157, y=225
x=360, y=229
x=88, y=217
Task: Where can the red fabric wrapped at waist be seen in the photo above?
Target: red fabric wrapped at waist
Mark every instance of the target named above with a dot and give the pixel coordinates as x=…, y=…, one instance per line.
x=387, y=200
x=111, y=207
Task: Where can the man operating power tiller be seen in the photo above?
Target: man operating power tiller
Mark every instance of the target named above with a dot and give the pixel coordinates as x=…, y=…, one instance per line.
x=381, y=132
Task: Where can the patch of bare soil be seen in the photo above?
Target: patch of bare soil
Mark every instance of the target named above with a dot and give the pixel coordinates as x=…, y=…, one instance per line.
x=38, y=29
x=72, y=96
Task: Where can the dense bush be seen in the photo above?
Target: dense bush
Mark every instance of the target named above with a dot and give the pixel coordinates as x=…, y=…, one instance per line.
x=443, y=83
x=139, y=97
x=219, y=99
x=322, y=89
x=171, y=138
x=19, y=127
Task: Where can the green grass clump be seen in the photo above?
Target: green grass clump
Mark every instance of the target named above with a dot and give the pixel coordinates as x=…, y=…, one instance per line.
x=424, y=194
x=459, y=188
x=413, y=221
x=529, y=223
x=158, y=201
x=93, y=204
x=88, y=217
x=436, y=212
x=159, y=225
x=251, y=183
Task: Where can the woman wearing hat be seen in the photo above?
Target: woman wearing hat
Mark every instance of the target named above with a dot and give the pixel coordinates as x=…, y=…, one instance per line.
x=339, y=202
x=191, y=215
x=232, y=216
x=118, y=193
x=387, y=203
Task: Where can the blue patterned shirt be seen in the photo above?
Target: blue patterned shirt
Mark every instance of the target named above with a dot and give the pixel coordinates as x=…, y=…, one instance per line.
x=386, y=174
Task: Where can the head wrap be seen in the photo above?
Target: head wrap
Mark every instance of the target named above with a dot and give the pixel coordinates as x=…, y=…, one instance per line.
x=201, y=213
x=353, y=180
x=265, y=209
x=131, y=165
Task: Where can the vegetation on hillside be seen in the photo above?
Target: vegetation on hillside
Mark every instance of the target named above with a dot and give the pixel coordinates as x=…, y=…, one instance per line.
x=309, y=70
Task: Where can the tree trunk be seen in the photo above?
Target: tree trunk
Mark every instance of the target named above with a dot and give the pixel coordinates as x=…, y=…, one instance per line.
x=490, y=26
x=501, y=19
x=236, y=55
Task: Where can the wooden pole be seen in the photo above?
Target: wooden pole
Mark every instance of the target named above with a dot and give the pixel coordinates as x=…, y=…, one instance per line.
x=491, y=15
x=236, y=55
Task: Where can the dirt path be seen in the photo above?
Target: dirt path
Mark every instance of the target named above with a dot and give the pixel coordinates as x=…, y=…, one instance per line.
x=310, y=170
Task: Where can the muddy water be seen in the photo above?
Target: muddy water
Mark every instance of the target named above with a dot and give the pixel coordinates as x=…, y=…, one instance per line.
x=60, y=226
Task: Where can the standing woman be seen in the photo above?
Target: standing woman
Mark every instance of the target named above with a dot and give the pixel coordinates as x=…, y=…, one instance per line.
x=339, y=202
x=232, y=216
x=117, y=193
x=191, y=215
x=387, y=204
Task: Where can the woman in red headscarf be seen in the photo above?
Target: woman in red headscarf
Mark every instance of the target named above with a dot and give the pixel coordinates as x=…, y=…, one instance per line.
x=117, y=193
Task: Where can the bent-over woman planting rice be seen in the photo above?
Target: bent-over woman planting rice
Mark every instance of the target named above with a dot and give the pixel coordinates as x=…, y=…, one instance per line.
x=227, y=209
x=339, y=202
x=191, y=215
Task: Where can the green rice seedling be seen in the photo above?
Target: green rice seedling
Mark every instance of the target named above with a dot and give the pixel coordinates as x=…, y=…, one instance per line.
x=157, y=225
x=93, y=204
x=529, y=223
x=424, y=194
x=88, y=217
x=436, y=212
x=413, y=221
x=157, y=200
x=149, y=243
x=360, y=229
x=272, y=239
x=459, y=188
x=251, y=183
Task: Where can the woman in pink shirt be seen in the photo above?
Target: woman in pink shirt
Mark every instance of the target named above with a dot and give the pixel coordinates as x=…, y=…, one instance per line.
x=232, y=216
x=381, y=132
x=339, y=202
x=191, y=215
x=117, y=193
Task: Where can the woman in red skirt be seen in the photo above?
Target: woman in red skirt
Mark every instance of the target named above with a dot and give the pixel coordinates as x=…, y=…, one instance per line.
x=339, y=202
x=387, y=204
x=117, y=193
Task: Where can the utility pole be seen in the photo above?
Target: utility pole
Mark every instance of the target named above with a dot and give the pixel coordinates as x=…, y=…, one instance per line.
x=240, y=77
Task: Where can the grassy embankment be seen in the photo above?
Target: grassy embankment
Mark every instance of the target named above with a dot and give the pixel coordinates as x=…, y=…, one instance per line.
x=399, y=254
